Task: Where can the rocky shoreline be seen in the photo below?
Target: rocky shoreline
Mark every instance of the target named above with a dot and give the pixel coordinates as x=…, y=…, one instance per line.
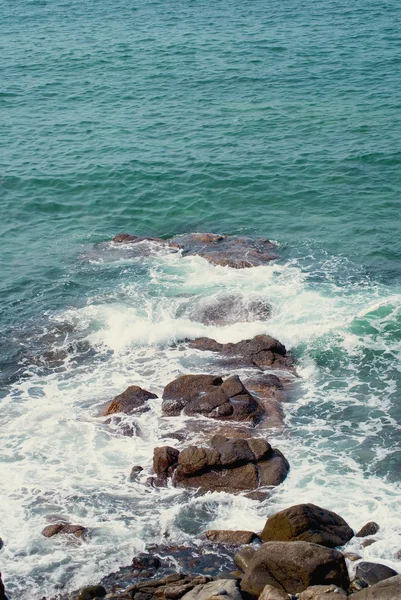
x=298, y=552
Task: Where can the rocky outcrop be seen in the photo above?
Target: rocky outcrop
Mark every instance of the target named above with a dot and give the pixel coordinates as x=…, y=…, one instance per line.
x=244, y=557
x=369, y=529
x=230, y=537
x=262, y=351
x=210, y=396
x=293, y=567
x=389, y=589
x=371, y=573
x=323, y=592
x=131, y=401
x=91, y=592
x=272, y=593
x=309, y=523
x=64, y=528
x=226, y=310
x=164, y=458
x=170, y=587
x=230, y=465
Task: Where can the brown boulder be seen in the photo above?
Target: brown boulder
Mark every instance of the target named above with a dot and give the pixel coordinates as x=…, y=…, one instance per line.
x=64, y=528
x=91, y=592
x=230, y=537
x=369, y=529
x=371, y=573
x=271, y=593
x=244, y=557
x=273, y=471
x=323, y=592
x=2, y=590
x=164, y=457
x=232, y=481
x=209, y=396
x=135, y=471
x=388, y=589
x=227, y=310
x=307, y=522
x=131, y=401
x=294, y=566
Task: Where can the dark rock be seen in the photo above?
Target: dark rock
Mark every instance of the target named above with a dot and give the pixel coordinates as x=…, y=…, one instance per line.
x=227, y=310
x=307, y=522
x=135, y=471
x=164, y=457
x=208, y=395
x=372, y=573
x=194, y=460
x=352, y=556
x=92, y=591
x=368, y=542
x=227, y=251
x=145, y=562
x=243, y=557
x=264, y=384
x=229, y=537
x=1, y=543
x=294, y=566
x=388, y=589
x=232, y=481
x=132, y=400
x=262, y=351
x=369, y=529
x=323, y=592
x=232, y=452
x=64, y=528
x=273, y=471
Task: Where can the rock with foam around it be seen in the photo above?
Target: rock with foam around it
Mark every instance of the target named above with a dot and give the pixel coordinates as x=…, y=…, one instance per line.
x=388, y=589
x=371, y=573
x=133, y=400
x=369, y=529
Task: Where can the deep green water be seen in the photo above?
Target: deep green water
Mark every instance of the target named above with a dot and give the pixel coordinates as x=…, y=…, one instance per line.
x=278, y=119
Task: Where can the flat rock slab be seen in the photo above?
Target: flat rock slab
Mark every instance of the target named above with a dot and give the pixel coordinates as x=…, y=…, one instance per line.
x=293, y=567
x=223, y=250
x=309, y=523
x=230, y=537
x=210, y=396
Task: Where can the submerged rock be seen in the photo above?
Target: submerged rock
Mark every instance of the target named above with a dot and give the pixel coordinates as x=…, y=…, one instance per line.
x=208, y=395
x=64, y=528
x=135, y=471
x=307, y=522
x=293, y=567
x=231, y=465
x=262, y=351
x=132, y=400
x=2, y=590
x=226, y=310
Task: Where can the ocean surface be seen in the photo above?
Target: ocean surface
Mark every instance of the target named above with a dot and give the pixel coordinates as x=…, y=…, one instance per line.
x=274, y=119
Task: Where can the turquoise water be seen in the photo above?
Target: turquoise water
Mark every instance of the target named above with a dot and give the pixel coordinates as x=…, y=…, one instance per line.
x=279, y=120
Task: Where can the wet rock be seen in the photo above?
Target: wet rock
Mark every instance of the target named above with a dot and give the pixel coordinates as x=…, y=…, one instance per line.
x=368, y=542
x=262, y=351
x=64, y=528
x=135, y=471
x=271, y=593
x=227, y=310
x=163, y=458
x=229, y=537
x=227, y=251
x=371, y=573
x=131, y=401
x=91, y=592
x=293, y=567
x=231, y=465
x=388, y=589
x=243, y=557
x=307, y=522
x=264, y=385
x=323, y=592
x=2, y=590
x=1, y=543
x=224, y=589
x=369, y=529
x=352, y=556
x=208, y=395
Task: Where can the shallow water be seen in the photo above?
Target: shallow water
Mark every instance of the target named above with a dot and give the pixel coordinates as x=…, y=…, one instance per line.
x=276, y=121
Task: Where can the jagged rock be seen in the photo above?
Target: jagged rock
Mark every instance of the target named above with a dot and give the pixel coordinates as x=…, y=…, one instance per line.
x=369, y=529
x=229, y=537
x=64, y=528
x=135, y=471
x=294, y=566
x=131, y=401
x=224, y=589
x=272, y=593
x=91, y=592
x=262, y=351
x=208, y=395
x=232, y=465
x=227, y=251
x=307, y=522
x=164, y=457
x=388, y=589
x=243, y=557
x=323, y=592
x=371, y=573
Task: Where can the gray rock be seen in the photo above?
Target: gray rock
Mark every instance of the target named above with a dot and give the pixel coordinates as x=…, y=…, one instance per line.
x=371, y=573
x=272, y=593
x=227, y=589
x=369, y=529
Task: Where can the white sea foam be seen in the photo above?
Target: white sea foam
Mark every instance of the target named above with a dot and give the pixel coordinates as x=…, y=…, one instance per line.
x=60, y=458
